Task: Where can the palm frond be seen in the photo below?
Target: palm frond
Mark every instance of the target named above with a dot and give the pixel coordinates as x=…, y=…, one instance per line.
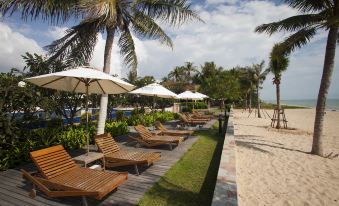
x=145, y=27
x=310, y=5
x=127, y=49
x=172, y=12
x=106, y=10
x=77, y=45
x=54, y=11
x=292, y=24
x=297, y=40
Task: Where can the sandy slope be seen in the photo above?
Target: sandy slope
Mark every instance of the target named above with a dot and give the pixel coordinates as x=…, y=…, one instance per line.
x=273, y=167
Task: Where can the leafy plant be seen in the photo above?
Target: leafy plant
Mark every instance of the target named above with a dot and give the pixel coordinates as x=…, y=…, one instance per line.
x=116, y=128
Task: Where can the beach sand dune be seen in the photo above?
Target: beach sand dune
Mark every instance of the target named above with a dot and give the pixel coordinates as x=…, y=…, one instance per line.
x=274, y=167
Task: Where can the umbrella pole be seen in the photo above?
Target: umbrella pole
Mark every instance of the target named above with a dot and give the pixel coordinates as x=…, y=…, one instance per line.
x=153, y=111
x=87, y=135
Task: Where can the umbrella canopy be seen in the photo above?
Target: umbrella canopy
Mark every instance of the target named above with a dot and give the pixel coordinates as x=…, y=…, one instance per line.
x=189, y=95
x=80, y=79
x=201, y=95
x=155, y=90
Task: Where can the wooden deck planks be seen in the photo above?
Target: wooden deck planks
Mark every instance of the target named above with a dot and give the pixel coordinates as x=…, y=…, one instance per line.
x=14, y=190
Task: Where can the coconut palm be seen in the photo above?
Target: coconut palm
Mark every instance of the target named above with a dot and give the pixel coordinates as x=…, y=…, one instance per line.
x=246, y=80
x=278, y=63
x=177, y=74
x=258, y=78
x=189, y=69
x=116, y=18
x=316, y=16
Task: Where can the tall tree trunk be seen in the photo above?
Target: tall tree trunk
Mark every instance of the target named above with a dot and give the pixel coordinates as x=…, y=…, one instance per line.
x=250, y=107
x=323, y=91
x=277, y=86
x=106, y=69
x=258, y=102
x=246, y=104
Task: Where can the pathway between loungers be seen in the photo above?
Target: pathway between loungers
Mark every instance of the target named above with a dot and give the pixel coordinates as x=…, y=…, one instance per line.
x=14, y=190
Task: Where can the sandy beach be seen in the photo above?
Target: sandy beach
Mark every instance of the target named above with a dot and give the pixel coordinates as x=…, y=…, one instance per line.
x=274, y=167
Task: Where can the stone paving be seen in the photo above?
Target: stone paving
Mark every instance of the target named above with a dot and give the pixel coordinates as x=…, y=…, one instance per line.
x=225, y=192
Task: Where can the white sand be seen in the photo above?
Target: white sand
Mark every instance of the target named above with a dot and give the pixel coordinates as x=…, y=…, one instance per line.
x=273, y=167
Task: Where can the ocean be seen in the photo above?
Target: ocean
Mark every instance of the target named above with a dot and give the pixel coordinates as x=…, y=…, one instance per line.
x=332, y=104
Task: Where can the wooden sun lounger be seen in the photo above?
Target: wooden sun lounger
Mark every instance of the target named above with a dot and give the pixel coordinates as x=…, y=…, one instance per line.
x=203, y=116
x=115, y=156
x=190, y=121
x=166, y=131
x=59, y=176
x=147, y=139
x=191, y=117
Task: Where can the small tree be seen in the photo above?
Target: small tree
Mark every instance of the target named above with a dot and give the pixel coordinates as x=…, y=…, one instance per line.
x=278, y=63
x=258, y=78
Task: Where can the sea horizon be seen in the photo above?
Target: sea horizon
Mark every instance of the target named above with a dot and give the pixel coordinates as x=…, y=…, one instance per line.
x=331, y=104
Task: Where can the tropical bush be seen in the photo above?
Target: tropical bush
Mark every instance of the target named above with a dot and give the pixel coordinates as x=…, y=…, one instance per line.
x=119, y=115
x=72, y=138
x=116, y=128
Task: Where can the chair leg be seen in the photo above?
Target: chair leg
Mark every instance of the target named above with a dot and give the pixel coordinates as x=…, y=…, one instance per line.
x=84, y=201
x=32, y=193
x=170, y=146
x=136, y=170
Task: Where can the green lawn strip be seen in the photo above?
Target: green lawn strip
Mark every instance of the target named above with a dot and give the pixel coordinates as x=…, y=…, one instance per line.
x=191, y=180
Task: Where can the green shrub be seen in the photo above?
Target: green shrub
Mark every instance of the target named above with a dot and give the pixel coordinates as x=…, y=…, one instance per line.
x=72, y=138
x=119, y=115
x=134, y=120
x=187, y=109
x=83, y=118
x=116, y=128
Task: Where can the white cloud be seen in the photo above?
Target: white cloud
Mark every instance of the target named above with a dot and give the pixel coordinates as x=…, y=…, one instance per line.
x=227, y=38
x=13, y=44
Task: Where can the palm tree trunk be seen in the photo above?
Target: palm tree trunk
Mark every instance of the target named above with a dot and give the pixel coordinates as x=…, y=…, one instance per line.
x=106, y=69
x=258, y=102
x=323, y=91
x=277, y=86
x=250, y=107
x=246, y=104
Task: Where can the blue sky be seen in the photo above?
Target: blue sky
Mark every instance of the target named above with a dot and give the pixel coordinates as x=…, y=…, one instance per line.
x=226, y=38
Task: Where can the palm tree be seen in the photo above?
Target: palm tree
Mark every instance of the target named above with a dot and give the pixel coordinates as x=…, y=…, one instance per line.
x=258, y=79
x=316, y=16
x=115, y=18
x=177, y=74
x=278, y=63
x=189, y=69
x=246, y=80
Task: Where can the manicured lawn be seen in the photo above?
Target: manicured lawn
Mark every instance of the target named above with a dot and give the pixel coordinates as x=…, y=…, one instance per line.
x=191, y=180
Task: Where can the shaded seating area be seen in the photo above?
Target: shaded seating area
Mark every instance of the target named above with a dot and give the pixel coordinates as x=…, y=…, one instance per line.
x=59, y=176
x=115, y=156
x=164, y=131
x=147, y=139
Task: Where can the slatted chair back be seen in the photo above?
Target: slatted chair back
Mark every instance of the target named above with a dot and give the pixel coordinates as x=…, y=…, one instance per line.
x=106, y=143
x=143, y=132
x=53, y=161
x=183, y=117
x=160, y=126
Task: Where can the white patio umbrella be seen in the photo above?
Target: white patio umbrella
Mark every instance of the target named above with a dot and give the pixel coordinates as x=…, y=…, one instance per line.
x=155, y=90
x=203, y=96
x=189, y=95
x=82, y=80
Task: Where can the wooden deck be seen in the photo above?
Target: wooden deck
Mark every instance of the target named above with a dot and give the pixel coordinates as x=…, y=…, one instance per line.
x=14, y=190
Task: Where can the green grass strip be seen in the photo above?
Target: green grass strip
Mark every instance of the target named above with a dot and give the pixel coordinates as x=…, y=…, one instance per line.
x=192, y=179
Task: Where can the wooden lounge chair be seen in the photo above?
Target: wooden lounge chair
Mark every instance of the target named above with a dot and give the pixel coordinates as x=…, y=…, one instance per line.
x=166, y=131
x=203, y=116
x=59, y=176
x=187, y=121
x=147, y=139
x=115, y=156
x=191, y=117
